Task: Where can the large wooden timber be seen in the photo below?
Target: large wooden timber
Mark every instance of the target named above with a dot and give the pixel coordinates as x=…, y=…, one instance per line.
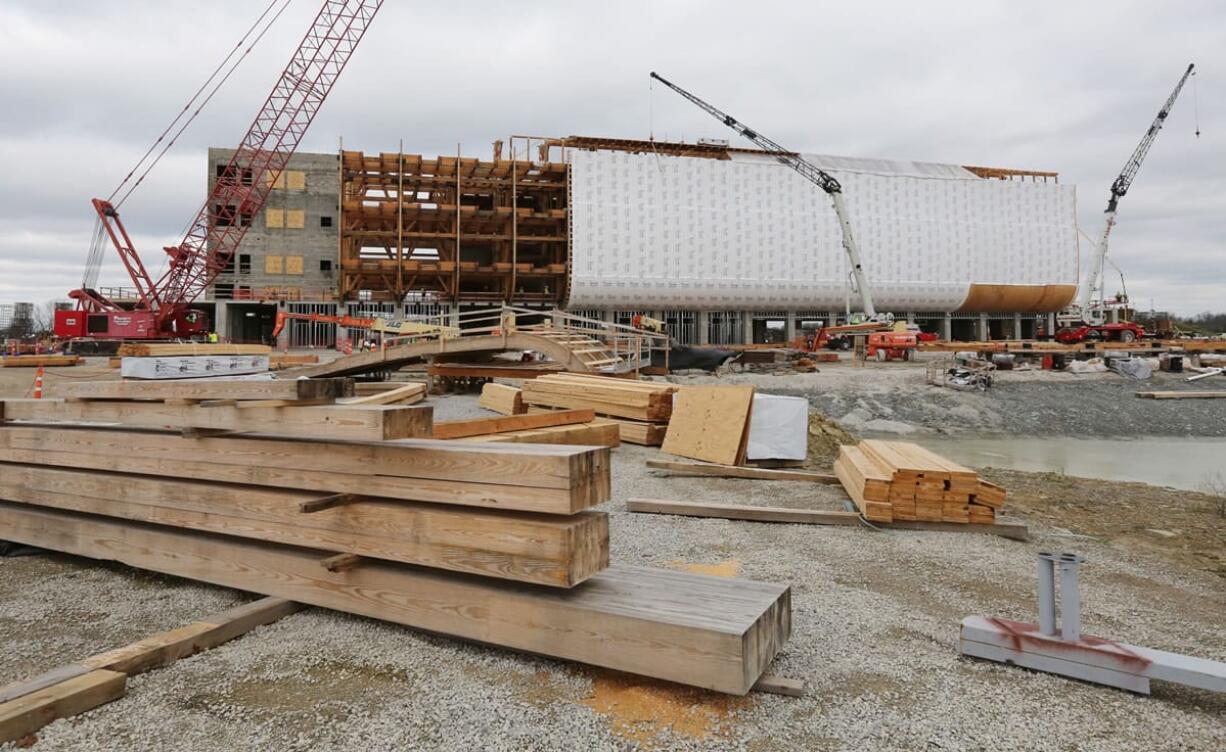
x=523, y=477
x=503, y=399
x=547, y=549
x=1183, y=395
x=34, y=361
x=29, y=713
x=207, y=389
x=179, y=349
x=738, y=471
x=360, y=422
x=601, y=433
x=704, y=631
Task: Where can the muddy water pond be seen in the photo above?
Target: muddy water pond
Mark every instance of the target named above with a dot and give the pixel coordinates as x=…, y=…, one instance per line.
x=1189, y=463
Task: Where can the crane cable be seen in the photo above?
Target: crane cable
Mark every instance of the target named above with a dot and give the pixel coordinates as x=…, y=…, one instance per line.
x=196, y=96
x=1196, y=103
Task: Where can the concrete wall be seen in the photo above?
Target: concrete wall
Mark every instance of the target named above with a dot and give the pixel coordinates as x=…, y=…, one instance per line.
x=309, y=189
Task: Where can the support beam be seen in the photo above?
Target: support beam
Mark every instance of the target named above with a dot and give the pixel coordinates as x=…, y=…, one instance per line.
x=551, y=479
x=352, y=422
x=288, y=389
x=709, y=632
x=553, y=550
x=740, y=471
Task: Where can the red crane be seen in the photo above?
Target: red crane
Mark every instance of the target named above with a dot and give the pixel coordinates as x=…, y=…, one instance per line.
x=163, y=307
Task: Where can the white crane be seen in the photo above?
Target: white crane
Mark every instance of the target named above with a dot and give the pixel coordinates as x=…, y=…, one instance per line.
x=813, y=174
x=1092, y=308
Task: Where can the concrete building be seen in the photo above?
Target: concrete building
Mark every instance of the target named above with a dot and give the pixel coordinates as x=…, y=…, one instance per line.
x=725, y=245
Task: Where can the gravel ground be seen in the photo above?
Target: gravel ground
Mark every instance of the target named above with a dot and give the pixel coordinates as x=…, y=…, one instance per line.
x=875, y=634
x=895, y=398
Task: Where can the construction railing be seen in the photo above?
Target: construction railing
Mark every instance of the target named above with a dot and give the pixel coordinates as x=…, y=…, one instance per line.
x=605, y=346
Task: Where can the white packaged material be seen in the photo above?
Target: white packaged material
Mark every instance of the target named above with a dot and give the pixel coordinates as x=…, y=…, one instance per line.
x=191, y=367
x=778, y=428
x=652, y=232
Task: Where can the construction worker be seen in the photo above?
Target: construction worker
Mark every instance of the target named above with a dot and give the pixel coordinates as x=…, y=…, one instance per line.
x=213, y=338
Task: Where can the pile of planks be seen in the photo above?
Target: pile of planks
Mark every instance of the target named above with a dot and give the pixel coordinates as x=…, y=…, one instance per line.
x=641, y=409
x=174, y=360
x=482, y=540
x=900, y=481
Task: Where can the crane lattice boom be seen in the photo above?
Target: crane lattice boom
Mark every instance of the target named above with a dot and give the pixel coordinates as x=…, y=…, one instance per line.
x=240, y=192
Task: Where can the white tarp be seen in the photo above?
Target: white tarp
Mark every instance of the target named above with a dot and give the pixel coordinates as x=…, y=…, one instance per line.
x=778, y=428
x=653, y=232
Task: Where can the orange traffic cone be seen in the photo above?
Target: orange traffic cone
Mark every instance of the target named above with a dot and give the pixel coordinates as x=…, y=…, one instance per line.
x=38, y=383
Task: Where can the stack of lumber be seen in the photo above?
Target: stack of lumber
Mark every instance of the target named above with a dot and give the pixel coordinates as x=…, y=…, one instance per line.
x=483, y=540
x=175, y=360
x=502, y=399
x=318, y=408
x=898, y=480
x=187, y=349
x=33, y=361
x=641, y=409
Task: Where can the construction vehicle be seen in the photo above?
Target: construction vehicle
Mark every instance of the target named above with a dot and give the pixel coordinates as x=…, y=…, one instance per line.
x=647, y=324
x=818, y=177
x=163, y=307
x=1087, y=321
x=897, y=344
x=380, y=326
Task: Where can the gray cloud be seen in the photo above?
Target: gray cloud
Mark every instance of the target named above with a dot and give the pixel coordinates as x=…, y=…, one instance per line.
x=1068, y=87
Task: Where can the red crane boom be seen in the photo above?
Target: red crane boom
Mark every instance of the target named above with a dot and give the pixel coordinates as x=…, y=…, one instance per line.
x=237, y=196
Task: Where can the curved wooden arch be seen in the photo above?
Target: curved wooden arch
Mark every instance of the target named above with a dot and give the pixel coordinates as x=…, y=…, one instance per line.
x=395, y=357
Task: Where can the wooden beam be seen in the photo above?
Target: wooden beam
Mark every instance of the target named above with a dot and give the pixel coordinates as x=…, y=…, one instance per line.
x=1013, y=530
x=735, y=471
x=27, y=714
x=34, y=361
x=553, y=550
x=164, y=648
x=290, y=389
x=311, y=506
x=780, y=685
x=458, y=429
x=597, y=433
x=407, y=394
x=341, y=562
x=709, y=632
x=355, y=422
x=524, y=477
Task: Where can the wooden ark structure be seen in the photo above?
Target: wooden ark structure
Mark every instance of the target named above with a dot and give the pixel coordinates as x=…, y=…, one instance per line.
x=453, y=228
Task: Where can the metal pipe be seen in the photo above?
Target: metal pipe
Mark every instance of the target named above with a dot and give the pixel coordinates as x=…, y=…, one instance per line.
x=1047, y=594
x=1070, y=598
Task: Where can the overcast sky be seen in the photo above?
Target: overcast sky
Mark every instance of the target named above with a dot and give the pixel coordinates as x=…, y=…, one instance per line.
x=1062, y=86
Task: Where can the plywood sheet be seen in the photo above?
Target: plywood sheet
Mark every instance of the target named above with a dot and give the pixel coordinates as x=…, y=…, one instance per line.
x=710, y=423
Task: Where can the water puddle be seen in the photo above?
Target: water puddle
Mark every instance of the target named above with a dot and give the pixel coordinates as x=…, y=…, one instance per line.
x=1187, y=463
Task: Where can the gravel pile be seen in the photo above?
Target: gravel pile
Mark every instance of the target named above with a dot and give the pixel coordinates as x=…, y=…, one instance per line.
x=875, y=619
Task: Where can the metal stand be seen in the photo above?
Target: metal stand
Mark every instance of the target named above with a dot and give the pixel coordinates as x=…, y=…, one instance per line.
x=1064, y=651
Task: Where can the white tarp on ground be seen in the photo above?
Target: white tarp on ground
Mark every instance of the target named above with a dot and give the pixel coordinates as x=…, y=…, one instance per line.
x=778, y=428
x=749, y=233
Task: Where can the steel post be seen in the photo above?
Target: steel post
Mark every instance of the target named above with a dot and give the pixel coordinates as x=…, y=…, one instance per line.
x=1070, y=598
x=1047, y=593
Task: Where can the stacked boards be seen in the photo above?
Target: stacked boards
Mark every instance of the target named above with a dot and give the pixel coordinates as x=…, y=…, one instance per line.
x=899, y=481
x=185, y=360
x=320, y=408
x=641, y=409
x=489, y=541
